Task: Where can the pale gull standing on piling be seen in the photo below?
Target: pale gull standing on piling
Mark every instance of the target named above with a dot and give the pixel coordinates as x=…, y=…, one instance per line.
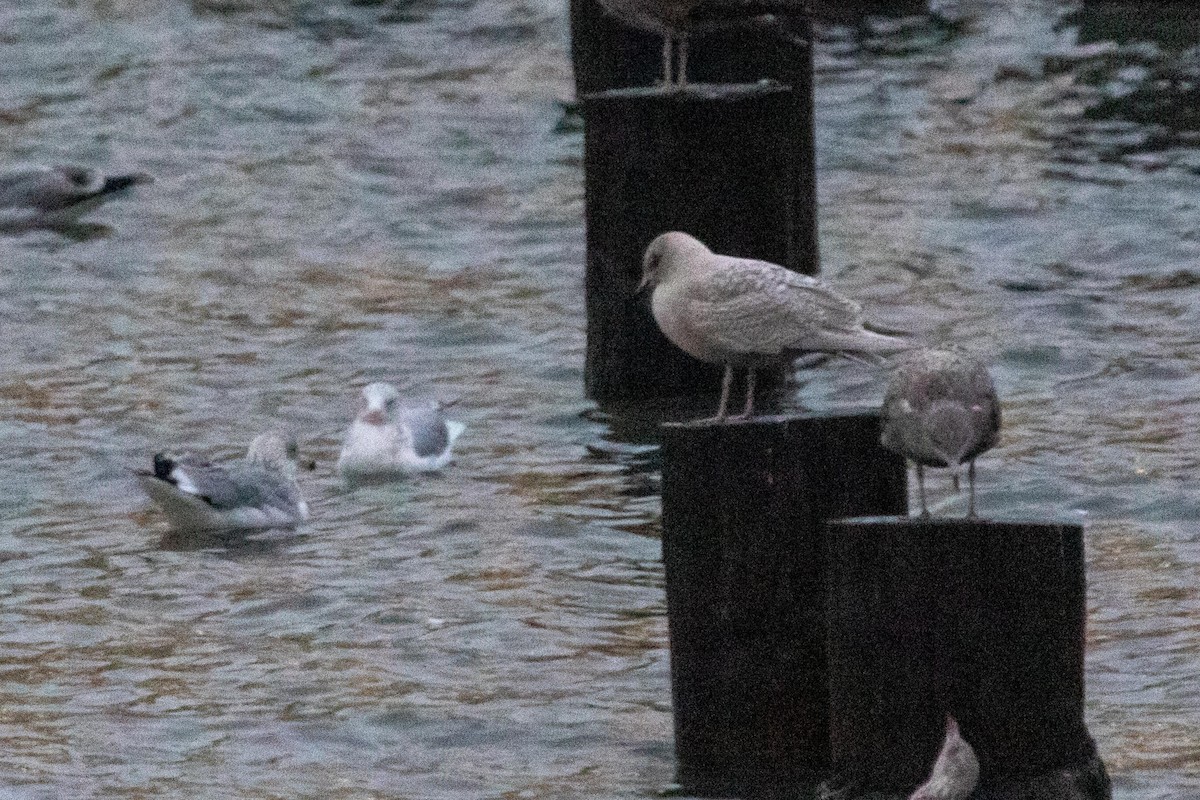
x=940, y=409
x=956, y=771
x=389, y=439
x=258, y=493
x=47, y=196
x=740, y=312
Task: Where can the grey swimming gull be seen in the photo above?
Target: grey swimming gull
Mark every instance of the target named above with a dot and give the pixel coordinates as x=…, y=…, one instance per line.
x=389, y=438
x=198, y=495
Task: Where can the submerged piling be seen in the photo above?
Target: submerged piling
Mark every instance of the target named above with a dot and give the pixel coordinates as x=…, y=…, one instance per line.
x=983, y=620
x=743, y=545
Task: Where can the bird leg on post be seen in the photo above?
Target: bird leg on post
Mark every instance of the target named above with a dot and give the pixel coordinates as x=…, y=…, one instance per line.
x=681, y=76
x=666, y=56
x=971, y=489
x=921, y=487
x=726, y=381
x=748, y=411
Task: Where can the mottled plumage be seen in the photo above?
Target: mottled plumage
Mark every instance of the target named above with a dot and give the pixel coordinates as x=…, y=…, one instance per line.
x=261, y=492
x=47, y=196
x=741, y=312
x=389, y=439
x=940, y=410
x=956, y=771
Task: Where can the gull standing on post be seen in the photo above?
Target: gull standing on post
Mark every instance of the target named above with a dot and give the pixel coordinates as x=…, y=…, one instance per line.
x=668, y=18
x=388, y=439
x=940, y=409
x=47, y=196
x=259, y=493
x=740, y=312
x=956, y=771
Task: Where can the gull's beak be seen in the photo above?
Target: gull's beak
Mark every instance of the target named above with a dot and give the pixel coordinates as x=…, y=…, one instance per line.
x=642, y=286
x=373, y=417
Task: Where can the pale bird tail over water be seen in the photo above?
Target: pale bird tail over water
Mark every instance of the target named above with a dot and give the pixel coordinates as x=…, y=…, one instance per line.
x=955, y=774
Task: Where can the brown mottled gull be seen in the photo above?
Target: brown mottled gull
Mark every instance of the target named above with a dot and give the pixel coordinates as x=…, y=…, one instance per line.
x=956, y=771
x=940, y=410
x=746, y=313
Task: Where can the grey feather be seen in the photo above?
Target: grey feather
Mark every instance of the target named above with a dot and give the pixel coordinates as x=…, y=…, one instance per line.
x=428, y=429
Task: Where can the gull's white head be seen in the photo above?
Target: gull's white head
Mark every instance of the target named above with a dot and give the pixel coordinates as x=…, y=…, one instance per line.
x=666, y=254
x=382, y=400
x=274, y=451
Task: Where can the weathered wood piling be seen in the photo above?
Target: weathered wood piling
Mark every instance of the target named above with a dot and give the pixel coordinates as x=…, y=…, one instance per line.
x=744, y=506
x=984, y=620
x=730, y=163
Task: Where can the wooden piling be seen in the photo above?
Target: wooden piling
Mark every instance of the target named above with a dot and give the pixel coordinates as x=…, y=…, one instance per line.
x=984, y=620
x=743, y=545
x=732, y=164
x=607, y=54
x=720, y=162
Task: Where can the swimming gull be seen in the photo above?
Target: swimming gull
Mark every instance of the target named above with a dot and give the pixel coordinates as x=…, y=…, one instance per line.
x=261, y=492
x=956, y=771
x=740, y=312
x=389, y=439
x=39, y=196
x=940, y=409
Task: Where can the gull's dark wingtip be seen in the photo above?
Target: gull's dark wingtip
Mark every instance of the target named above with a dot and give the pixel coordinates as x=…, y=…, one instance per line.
x=163, y=465
x=116, y=183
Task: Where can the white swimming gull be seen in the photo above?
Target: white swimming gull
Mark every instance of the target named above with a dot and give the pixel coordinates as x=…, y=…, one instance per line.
x=261, y=492
x=40, y=196
x=956, y=771
x=389, y=439
x=740, y=312
x=940, y=409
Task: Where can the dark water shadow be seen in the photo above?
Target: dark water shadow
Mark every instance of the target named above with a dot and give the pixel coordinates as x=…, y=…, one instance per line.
x=231, y=543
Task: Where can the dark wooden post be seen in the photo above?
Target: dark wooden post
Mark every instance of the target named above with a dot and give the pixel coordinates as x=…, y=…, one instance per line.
x=608, y=54
x=731, y=164
x=719, y=162
x=981, y=619
x=743, y=544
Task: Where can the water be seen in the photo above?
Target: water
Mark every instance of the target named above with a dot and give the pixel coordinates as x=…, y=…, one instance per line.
x=351, y=192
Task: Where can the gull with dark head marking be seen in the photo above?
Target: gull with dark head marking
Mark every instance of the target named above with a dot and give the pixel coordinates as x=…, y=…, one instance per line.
x=390, y=439
x=39, y=196
x=956, y=771
x=940, y=409
x=198, y=495
x=740, y=312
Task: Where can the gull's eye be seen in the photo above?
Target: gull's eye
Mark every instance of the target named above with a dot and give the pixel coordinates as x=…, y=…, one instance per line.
x=390, y=403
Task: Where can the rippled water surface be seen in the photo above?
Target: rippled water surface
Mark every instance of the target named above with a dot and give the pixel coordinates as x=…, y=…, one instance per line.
x=349, y=192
